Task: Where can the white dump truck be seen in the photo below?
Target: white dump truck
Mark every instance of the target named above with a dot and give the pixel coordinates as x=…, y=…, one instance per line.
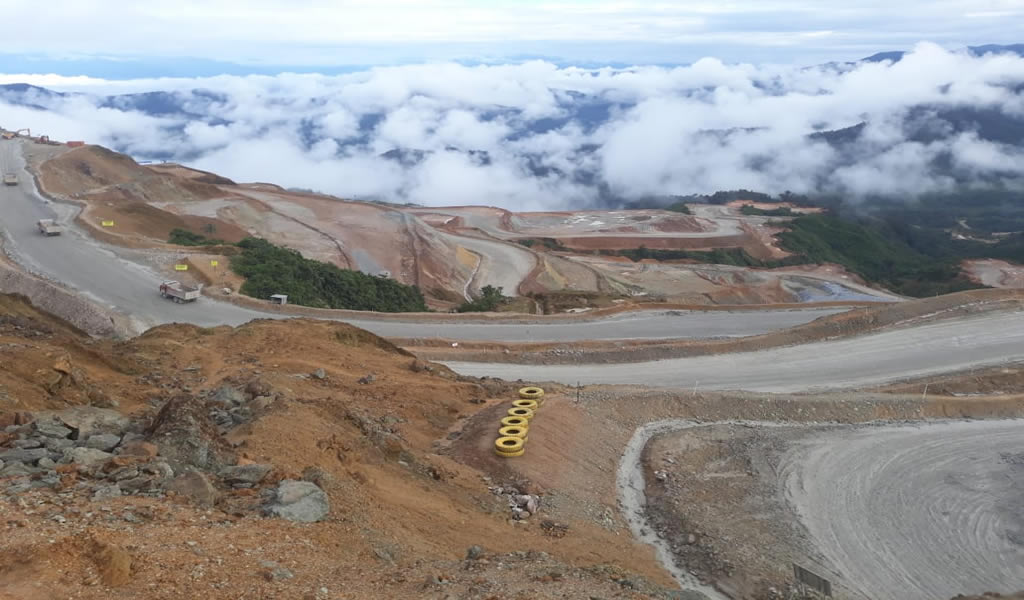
x=10, y=179
x=49, y=227
x=179, y=292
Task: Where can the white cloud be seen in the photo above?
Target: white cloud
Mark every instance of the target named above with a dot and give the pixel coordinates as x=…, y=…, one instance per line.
x=534, y=135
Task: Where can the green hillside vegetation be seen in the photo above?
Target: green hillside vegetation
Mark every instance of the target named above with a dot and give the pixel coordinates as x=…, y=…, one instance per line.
x=490, y=299
x=782, y=211
x=183, y=237
x=270, y=269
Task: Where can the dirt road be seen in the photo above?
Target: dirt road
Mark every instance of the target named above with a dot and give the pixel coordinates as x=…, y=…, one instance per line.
x=944, y=346
x=916, y=512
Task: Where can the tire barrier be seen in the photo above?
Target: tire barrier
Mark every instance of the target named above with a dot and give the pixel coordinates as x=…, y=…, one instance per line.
x=516, y=425
x=509, y=446
x=531, y=393
x=520, y=412
x=530, y=404
x=515, y=422
x=519, y=432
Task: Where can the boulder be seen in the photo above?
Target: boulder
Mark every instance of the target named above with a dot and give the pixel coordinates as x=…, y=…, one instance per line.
x=16, y=469
x=186, y=437
x=89, y=420
x=106, y=492
x=194, y=485
x=299, y=501
x=57, y=445
x=251, y=474
x=50, y=429
x=103, y=441
x=26, y=455
x=26, y=444
x=228, y=396
x=319, y=374
x=86, y=456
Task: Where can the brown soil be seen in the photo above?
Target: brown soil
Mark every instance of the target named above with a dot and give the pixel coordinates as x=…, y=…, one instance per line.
x=404, y=510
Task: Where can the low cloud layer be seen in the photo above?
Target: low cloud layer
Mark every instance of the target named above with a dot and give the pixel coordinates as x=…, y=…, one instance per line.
x=535, y=136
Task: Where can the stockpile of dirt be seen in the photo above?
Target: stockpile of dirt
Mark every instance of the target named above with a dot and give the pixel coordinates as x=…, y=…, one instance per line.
x=299, y=459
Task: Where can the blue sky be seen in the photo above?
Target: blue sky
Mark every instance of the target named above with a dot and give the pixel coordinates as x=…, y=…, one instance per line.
x=126, y=39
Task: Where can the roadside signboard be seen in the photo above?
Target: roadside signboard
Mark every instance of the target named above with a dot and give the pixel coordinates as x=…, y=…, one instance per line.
x=107, y=223
x=181, y=267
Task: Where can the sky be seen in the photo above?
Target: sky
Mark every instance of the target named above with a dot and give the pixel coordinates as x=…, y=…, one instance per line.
x=129, y=39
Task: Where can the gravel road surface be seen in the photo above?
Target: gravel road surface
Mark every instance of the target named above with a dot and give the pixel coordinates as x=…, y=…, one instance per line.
x=944, y=346
x=916, y=512
x=107, y=276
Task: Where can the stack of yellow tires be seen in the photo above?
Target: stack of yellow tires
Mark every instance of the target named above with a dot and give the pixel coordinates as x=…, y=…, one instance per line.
x=516, y=424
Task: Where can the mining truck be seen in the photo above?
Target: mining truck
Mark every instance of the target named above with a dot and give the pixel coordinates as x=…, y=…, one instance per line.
x=179, y=292
x=10, y=179
x=49, y=227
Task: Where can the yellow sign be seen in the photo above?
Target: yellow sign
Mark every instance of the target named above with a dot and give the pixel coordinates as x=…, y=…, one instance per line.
x=214, y=263
x=181, y=267
x=108, y=223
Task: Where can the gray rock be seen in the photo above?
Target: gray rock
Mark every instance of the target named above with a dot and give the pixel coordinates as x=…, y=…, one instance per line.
x=106, y=492
x=319, y=373
x=23, y=455
x=57, y=444
x=244, y=474
x=48, y=481
x=19, y=487
x=89, y=420
x=194, y=484
x=27, y=444
x=228, y=396
x=124, y=473
x=1, y=465
x=275, y=572
x=299, y=501
x=103, y=441
x=86, y=456
x=474, y=553
x=160, y=469
x=139, y=484
x=15, y=469
x=45, y=463
x=51, y=429
x=368, y=379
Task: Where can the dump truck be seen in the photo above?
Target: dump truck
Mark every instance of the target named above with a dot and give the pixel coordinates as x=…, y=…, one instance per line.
x=49, y=227
x=179, y=292
x=10, y=179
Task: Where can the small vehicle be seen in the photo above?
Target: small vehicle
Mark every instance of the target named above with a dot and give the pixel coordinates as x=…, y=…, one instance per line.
x=179, y=292
x=49, y=227
x=10, y=179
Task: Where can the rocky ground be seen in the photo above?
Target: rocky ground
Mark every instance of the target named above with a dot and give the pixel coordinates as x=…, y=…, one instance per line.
x=275, y=460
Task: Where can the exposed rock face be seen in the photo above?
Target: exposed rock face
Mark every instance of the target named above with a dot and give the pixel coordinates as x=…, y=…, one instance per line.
x=185, y=436
x=299, y=501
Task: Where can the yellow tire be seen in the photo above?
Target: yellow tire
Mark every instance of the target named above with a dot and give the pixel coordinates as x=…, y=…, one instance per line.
x=508, y=444
x=519, y=432
x=530, y=404
x=510, y=454
x=520, y=412
x=515, y=422
x=531, y=393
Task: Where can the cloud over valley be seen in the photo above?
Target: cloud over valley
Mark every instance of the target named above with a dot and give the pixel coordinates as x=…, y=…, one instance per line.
x=536, y=136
